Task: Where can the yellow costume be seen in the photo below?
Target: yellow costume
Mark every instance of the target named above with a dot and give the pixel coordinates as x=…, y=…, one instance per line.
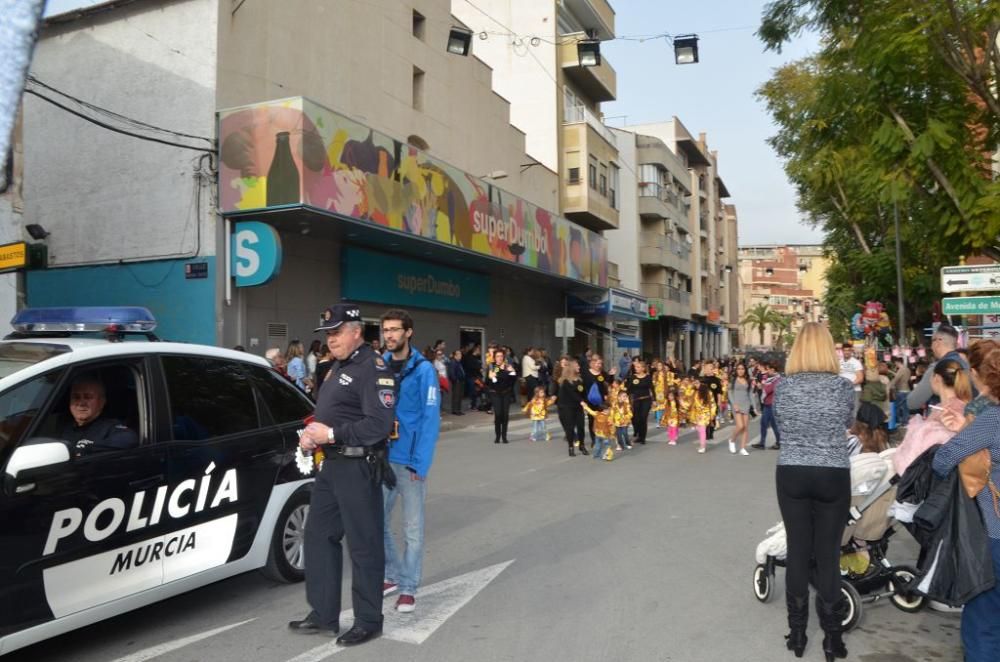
x=671, y=414
x=621, y=413
x=702, y=413
x=538, y=407
x=659, y=389
x=687, y=391
x=602, y=422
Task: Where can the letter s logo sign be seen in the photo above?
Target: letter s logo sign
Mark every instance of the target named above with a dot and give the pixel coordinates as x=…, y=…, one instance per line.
x=256, y=253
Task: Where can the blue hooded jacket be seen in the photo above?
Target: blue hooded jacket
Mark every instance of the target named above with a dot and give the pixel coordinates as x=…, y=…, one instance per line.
x=418, y=410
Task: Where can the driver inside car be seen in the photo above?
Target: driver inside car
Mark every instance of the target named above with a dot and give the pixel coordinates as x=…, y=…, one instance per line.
x=90, y=431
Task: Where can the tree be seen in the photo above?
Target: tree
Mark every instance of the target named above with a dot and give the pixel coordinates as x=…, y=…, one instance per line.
x=782, y=325
x=760, y=316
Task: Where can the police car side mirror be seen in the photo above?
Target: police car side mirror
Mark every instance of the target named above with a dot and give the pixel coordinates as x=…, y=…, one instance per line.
x=42, y=453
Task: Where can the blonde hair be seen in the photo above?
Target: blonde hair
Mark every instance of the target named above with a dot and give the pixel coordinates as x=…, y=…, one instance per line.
x=813, y=351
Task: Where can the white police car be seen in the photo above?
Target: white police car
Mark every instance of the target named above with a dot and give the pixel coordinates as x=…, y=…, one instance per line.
x=208, y=489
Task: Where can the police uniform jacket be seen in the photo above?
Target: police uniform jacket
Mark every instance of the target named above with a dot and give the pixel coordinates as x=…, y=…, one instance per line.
x=358, y=399
x=101, y=434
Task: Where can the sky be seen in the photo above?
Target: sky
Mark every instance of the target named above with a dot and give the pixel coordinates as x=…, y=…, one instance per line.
x=715, y=96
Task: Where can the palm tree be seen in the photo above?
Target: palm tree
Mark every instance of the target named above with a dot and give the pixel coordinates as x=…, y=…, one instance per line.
x=782, y=325
x=760, y=316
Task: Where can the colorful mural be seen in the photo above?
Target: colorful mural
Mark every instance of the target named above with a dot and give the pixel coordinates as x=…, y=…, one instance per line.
x=295, y=152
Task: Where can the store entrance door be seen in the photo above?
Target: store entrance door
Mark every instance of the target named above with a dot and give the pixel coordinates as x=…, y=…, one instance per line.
x=373, y=331
x=471, y=335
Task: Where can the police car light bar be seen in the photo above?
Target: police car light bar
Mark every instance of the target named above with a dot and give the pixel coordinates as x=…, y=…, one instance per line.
x=121, y=319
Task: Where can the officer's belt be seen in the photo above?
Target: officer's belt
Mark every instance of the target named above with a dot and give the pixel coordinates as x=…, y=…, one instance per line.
x=359, y=451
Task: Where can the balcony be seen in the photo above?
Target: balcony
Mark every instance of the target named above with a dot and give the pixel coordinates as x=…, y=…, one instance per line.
x=583, y=200
x=594, y=14
x=676, y=303
x=577, y=114
x=598, y=83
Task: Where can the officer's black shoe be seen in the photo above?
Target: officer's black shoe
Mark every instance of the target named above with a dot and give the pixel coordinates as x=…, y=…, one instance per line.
x=505, y=441
x=497, y=440
x=357, y=635
x=309, y=626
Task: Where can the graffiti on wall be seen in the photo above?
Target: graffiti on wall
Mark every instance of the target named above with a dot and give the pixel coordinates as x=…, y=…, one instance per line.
x=295, y=152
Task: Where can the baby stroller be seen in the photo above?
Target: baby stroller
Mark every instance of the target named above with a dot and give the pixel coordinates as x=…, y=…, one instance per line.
x=867, y=575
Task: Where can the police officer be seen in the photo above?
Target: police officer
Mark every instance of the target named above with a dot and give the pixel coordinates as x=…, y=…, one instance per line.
x=354, y=417
x=91, y=431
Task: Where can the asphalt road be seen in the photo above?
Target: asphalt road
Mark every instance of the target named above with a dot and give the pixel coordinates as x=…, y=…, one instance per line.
x=647, y=558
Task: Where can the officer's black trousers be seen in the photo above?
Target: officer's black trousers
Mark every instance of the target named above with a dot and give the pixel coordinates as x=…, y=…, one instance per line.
x=345, y=500
x=501, y=412
x=640, y=418
x=571, y=420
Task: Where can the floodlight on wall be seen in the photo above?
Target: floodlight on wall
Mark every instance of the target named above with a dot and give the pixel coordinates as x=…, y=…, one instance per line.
x=686, y=49
x=588, y=52
x=459, y=41
x=36, y=231
x=769, y=271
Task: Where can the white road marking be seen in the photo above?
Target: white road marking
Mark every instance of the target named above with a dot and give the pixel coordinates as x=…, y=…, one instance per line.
x=167, y=647
x=435, y=605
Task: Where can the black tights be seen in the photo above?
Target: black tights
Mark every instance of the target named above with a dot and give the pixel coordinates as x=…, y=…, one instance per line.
x=814, y=503
x=572, y=424
x=501, y=412
x=640, y=418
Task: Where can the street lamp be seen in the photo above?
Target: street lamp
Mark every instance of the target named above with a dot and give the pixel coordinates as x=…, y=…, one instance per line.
x=686, y=49
x=459, y=41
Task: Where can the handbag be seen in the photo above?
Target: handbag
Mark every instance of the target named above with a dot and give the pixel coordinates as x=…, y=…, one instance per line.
x=974, y=472
x=444, y=384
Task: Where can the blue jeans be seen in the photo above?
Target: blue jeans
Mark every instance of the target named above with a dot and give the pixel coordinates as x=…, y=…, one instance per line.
x=600, y=444
x=767, y=420
x=902, y=411
x=405, y=571
x=621, y=436
x=980, y=635
x=538, y=430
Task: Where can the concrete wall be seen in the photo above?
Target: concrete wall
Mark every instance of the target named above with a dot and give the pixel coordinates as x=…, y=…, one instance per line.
x=522, y=73
x=623, y=243
x=358, y=58
x=103, y=196
x=522, y=312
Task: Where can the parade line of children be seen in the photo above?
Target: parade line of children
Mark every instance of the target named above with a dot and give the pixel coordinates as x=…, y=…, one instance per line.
x=692, y=400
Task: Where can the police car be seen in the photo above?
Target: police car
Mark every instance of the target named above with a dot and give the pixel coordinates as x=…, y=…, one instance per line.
x=197, y=483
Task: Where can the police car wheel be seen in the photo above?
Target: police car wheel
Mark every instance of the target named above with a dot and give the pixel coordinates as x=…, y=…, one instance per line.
x=285, y=557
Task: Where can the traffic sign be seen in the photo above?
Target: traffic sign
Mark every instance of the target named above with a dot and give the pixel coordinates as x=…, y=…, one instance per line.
x=970, y=305
x=978, y=278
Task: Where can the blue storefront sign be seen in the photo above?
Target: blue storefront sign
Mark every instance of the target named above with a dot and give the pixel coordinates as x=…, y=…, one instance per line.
x=626, y=304
x=588, y=304
x=381, y=278
x=256, y=252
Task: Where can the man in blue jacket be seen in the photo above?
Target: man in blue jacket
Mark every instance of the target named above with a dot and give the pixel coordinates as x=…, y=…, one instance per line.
x=418, y=416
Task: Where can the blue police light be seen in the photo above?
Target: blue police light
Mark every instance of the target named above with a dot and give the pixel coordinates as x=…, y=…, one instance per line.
x=83, y=319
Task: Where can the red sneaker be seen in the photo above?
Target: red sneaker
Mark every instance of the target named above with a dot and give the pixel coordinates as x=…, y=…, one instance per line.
x=388, y=588
x=405, y=604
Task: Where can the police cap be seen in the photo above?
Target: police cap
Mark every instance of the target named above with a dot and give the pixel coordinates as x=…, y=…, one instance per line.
x=337, y=314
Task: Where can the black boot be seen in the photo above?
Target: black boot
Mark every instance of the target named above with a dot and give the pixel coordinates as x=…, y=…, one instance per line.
x=572, y=453
x=798, y=620
x=831, y=619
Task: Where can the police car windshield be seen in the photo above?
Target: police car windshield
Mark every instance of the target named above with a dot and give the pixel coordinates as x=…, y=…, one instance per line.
x=16, y=356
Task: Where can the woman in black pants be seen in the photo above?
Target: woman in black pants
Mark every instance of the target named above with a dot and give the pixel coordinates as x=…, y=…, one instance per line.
x=570, y=395
x=640, y=389
x=500, y=381
x=814, y=406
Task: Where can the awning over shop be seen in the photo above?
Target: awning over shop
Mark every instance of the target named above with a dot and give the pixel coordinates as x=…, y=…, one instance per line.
x=628, y=342
x=295, y=157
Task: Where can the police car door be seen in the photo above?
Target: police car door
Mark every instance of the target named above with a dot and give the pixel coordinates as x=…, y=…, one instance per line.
x=221, y=456
x=83, y=532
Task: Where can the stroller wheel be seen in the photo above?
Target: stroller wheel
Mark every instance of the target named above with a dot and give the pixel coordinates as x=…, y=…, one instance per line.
x=902, y=598
x=762, y=583
x=852, y=614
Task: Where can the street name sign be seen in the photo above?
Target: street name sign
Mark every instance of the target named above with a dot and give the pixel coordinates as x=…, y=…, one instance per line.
x=970, y=305
x=977, y=278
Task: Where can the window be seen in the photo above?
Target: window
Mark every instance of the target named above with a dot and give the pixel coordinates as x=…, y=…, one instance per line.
x=418, y=25
x=208, y=397
x=592, y=171
x=285, y=403
x=20, y=405
x=418, y=88
x=574, y=175
x=613, y=184
x=572, y=163
x=603, y=180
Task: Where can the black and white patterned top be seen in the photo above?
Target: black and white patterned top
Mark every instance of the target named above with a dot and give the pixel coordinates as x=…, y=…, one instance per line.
x=814, y=410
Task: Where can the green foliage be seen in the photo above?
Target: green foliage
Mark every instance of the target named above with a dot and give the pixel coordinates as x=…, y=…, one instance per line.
x=891, y=111
x=760, y=317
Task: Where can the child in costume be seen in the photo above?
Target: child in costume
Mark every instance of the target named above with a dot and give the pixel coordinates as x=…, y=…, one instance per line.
x=703, y=410
x=621, y=418
x=687, y=389
x=672, y=416
x=659, y=390
x=604, y=429
x=537, y=409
